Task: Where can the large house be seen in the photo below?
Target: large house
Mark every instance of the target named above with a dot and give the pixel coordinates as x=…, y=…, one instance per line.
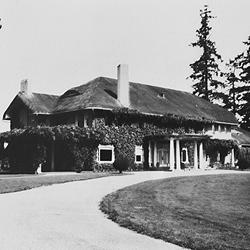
x=84, y=105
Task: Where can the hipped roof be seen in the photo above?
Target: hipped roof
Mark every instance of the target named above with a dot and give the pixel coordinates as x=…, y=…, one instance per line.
x=101, y=93
x=36, y=102
x=241, y=136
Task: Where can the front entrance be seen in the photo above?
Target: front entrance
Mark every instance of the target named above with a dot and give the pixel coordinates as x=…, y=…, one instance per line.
x=163, y=157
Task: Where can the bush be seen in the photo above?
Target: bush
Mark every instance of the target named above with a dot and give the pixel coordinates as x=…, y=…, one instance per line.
x=121, y=163
x=103, y=167
x=244, y=158
x=243, y=163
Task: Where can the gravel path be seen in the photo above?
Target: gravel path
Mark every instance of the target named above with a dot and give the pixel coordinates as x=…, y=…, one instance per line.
x=66, y=216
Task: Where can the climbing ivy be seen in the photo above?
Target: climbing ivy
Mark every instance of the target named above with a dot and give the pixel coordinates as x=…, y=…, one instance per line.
x=29, y=147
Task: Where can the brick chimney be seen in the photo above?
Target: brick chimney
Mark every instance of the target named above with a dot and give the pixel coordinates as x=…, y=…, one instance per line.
x=24, y=86
x=123, y=85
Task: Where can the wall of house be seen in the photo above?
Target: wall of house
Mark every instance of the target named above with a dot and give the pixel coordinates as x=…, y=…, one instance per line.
x=21, y=118
x=219, y=131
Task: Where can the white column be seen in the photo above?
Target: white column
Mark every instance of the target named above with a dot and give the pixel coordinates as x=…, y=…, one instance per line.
x=195, y=155
x=171, y=153
x=76, y=120
x=155, y=154
x=232, y=155
x=201, y=157
x=178, y=159
x=149, y=154
x=52, y=155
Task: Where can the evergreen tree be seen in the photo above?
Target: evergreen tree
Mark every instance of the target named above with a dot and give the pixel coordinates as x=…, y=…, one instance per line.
x=243, y=61
x=231, y=100
x=206, y=71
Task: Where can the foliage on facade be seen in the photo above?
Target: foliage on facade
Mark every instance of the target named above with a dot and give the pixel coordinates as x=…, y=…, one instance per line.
x=224, y=147
x=29, y=147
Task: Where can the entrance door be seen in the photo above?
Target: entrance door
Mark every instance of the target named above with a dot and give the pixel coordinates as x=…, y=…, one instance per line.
x=163, y=157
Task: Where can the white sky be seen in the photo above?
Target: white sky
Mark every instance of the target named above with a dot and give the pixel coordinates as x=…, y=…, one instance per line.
x=60, y=44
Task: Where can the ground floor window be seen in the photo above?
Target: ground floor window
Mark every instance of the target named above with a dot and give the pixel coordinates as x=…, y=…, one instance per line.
x=138, y=154
x=106, y=154
x=184, y=155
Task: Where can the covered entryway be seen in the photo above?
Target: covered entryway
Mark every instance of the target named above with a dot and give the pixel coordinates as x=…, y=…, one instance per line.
x=177, y=151
x=163, y=157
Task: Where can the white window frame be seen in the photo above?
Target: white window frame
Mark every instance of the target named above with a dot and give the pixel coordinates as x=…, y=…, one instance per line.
x=105, y=147
x=139, y=151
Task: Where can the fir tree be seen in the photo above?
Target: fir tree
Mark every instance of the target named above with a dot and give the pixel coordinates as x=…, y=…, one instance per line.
x=231, y=100
x=243, y=60
x=206, y=71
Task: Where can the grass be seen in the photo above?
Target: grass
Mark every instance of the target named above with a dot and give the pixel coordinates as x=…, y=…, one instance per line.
x=14, y=183
x=202, y=212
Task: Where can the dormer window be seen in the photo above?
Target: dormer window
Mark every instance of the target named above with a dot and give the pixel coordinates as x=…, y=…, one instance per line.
x=161, y=95
x=111, y=93
x=70, y=93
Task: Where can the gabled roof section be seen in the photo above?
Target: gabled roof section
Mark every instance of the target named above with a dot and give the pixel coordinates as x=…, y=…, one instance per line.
x=241, y=136
x=36, y=102
x=94, y=94
x=101, y=93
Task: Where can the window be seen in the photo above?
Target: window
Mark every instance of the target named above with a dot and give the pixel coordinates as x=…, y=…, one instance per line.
x=225, y=128
x=106, y=154
x=219, y=128
x=161, y=95
x=138, y=154
x=184, y=155
x=228, y=129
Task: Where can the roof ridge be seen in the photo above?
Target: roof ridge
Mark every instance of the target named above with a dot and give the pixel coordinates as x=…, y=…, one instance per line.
x=40, y=94
x=149, y=85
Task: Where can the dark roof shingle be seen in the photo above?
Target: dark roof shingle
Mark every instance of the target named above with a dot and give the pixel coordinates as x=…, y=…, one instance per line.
x=145, y=99
x=101, y=93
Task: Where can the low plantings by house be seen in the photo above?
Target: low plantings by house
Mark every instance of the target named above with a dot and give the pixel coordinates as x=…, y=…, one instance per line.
x=199, y=212
x=244, y=159
x=121, y=163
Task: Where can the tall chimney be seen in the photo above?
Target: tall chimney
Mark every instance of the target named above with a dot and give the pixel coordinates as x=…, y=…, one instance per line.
x=123, y=85
x=24, y=86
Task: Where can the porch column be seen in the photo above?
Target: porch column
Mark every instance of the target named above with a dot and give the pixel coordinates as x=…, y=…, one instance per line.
x=52, y=155
x=171, y=160
x=201, y=156
x=149, y=154
x=155, y=154
x=195, y=155
x=178, y=159
x=76, y=120
x=232, y=155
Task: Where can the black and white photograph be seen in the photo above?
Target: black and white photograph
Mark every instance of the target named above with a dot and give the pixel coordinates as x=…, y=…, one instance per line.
x=124, y=124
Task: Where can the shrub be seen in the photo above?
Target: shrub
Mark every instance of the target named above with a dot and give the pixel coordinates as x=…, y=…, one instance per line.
x=121, y=163
x=103, y=167
x=244, y=159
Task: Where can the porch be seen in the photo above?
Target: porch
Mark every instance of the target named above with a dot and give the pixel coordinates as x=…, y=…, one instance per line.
x=177, y=152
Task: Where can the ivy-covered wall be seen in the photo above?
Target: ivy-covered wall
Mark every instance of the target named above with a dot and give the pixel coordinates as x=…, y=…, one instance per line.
x=32, y=146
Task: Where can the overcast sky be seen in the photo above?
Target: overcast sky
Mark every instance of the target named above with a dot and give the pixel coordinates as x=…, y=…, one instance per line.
x=58, y=44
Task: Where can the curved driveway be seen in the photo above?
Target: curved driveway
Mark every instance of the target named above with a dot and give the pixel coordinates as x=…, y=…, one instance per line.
x=66, y=216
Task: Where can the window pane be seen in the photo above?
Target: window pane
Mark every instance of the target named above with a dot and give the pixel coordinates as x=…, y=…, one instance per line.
x=184, y=157
x=138, y=158
x=105, y=155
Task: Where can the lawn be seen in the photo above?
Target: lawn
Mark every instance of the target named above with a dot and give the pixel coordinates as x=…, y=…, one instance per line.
x=199, y=212
x=14, y=183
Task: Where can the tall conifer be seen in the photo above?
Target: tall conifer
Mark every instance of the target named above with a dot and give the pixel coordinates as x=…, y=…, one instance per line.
x=206, y=73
